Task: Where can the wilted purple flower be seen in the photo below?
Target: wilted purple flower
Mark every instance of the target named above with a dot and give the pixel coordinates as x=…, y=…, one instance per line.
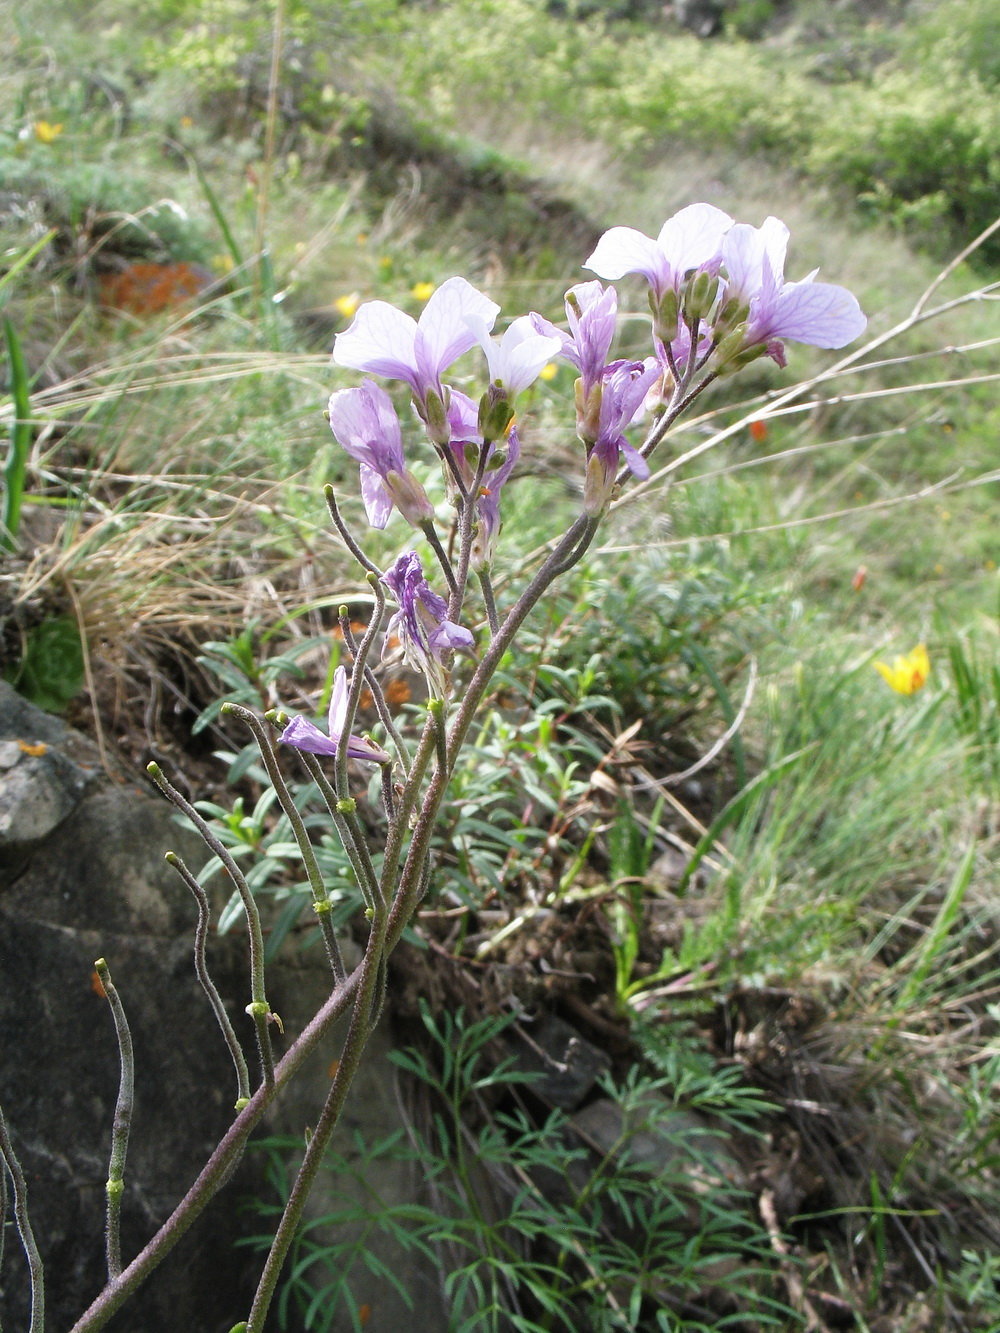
x=691, y=239
x=385, y=341
x=365, y=423
x=625, y=386
x=488, y=505
x=819, y=313
x=305, y=735
x=421, y=624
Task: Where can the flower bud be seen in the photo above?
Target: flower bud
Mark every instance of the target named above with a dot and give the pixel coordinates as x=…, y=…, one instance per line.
x=588, y=414
x=665, y=312
x=409, y=497
x=434, y=414
x=699, y=297
x=733, y=312
x=495, y=413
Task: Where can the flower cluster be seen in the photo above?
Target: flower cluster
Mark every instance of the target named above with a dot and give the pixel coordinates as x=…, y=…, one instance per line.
x=719, y=300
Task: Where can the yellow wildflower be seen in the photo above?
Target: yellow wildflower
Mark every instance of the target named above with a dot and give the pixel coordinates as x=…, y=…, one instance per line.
x=548, y=371
x=908, y=673
x=186, y=122
x=346, y=305
x=46, y=132
x=423, y=291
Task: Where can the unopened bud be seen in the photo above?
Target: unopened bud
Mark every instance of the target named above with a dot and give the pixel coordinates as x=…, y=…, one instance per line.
x=699, y=297
x=588, y=414
x=435, y=418
x=665, y=312
x=732, y=312
x=495, y=413
x=409, y=497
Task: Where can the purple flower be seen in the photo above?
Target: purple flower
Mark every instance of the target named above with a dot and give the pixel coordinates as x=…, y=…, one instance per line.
x=463, y=430
x=365, y=424
x=385, y=341
x=421, y=624
x=691, y=239
x=625, y=386
x=488, y=505
x=305, y=735
x=818, y=313
x=592, y=313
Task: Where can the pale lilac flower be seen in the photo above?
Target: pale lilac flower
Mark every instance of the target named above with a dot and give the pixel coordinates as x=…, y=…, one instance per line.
x=520, y=354
x=488, y=505
x=366, y=425
x=385, y=341
x=625, y=386
x=592, y=313
x=463, y=431
x=305, y=735
x=421, y=624
x=819, y=313
x=691, y=239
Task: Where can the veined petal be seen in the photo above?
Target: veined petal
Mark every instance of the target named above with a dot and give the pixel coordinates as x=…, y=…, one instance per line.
x=693, y=236
x=819, y=313
x=378, y=501
x=443, y=321
x=305, y=735
x=624, y=250
x=637, y=464
x=379, y=340
x=365, y=423
x=337, y=715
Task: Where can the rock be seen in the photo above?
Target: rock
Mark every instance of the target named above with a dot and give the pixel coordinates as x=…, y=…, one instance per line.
x=565, y=1065
x=90, y=881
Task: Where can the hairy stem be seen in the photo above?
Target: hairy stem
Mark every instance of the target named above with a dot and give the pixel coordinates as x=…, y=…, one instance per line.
x=258, y=1008
x=35, y=1269
x=208, y=985
x=122, y=1122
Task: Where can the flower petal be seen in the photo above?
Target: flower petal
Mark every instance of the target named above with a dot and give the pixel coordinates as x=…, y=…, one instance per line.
x=693, y=236
x=305, y=735
x=819, y=313
x=446, y=335
x=624, y=250
x=380, y=340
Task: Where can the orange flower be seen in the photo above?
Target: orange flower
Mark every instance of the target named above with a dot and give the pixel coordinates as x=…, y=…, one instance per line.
x=908, y=673
x=758, y=430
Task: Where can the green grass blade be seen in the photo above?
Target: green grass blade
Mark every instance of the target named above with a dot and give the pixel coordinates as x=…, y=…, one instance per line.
x=24, y=260
x=934, y=941
x=212, y=199
x=735, y=808
x=20, y=441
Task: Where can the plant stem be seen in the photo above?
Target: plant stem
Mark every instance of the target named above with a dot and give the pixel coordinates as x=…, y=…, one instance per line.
x=321, y=899
x=258, y=1008
x=35, y=1269
x=207, y=984
x=122, y=1122
x=489, y=601
x=218, y=1168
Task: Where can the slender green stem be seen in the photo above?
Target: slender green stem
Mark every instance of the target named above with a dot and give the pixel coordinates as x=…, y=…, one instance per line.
x=357, y=1036
x=385, y=716
x=350, y=830
x=321, y=899
x=35, y=1270
x=357, y=681
x=122, y=1122
x=346, y=535
x=430, y=532
x=465, y=533
x=258, y=1008
x=489, y=601
x=208, y=985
